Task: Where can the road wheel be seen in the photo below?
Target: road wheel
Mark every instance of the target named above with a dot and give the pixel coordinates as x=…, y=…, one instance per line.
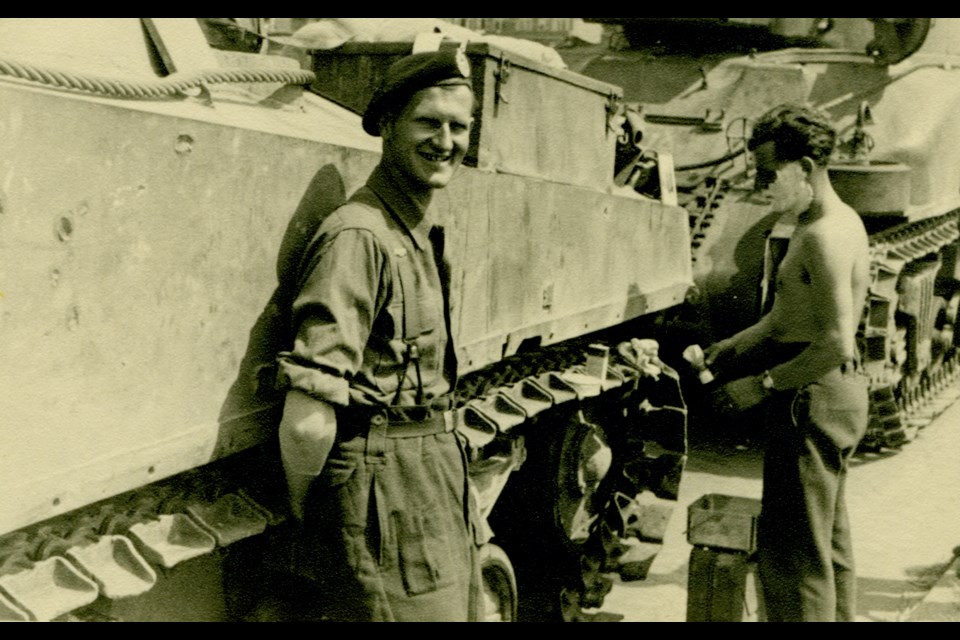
x=499, y=585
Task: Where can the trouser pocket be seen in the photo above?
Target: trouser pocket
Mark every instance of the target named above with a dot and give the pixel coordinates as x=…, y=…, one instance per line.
x=834, y=408
x=424, y=554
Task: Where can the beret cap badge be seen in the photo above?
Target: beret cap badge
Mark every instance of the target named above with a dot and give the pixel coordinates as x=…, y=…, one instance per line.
x=413, y=73
x=463, y=64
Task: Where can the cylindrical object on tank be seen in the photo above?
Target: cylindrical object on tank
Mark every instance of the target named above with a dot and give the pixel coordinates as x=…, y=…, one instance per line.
x=873, y=189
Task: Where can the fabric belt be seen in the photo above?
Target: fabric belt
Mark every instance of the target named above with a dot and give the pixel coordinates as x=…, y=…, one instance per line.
x=780, y=352
x=401, y=422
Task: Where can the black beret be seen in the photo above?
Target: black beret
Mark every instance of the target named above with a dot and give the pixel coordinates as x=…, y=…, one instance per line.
x=411, y=74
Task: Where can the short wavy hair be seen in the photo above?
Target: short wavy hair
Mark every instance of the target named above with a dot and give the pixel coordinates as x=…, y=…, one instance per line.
x=798, y=131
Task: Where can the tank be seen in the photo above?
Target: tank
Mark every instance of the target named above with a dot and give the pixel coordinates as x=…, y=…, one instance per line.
x=695, y=85
x=158, y=177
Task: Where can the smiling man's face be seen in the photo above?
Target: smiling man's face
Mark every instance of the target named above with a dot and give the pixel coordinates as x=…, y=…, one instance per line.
x=428, y=140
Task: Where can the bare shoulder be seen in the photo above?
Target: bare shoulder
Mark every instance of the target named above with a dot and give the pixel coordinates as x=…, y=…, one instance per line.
x=836, y=241
x=840, y=228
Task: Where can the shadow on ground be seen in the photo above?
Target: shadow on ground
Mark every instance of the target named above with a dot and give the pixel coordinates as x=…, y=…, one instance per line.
x=884, y=600
x=725, y=459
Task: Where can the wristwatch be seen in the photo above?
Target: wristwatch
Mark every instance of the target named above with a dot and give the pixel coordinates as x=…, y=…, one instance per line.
x=767, y=382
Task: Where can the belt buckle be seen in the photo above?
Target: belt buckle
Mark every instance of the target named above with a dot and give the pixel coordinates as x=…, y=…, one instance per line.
x=450, y=421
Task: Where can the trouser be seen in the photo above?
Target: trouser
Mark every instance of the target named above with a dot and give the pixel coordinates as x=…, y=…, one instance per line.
x=390, y=534
x=805, y=554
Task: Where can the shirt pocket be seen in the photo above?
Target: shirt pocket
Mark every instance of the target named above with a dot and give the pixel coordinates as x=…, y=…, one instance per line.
x=387, y=342
x=423, y=547
x=428, y=332
x=417, y=325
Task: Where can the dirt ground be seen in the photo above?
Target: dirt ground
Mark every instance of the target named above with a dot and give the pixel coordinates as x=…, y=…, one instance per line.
x=904, y=511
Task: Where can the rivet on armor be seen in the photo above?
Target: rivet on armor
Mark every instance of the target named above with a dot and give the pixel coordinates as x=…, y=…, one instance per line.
x=184, y=144
x=63, y=229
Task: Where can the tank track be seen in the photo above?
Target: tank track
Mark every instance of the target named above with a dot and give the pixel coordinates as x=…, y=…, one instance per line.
x=597, y=474
x=67, y=568
x=601, y=469
x=907, y=336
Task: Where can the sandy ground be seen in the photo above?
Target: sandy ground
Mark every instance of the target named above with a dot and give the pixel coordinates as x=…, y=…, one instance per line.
x=904, y=511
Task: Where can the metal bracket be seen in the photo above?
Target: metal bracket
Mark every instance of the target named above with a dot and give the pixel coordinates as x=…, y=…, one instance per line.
x=528, y=396
x=10, y=612
x=116, y=566
x=501, y=410
x=229, y=519
x=557, y=388
x=50, y=589
x=501, y=75
x=171, y=539
x=613, y=109
x=475, y=426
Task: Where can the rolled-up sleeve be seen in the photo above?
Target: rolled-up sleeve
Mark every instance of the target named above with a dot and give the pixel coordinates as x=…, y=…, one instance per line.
x=332, y=316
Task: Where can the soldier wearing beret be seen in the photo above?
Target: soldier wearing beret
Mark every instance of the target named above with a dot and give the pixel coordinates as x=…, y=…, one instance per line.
x=377, y=477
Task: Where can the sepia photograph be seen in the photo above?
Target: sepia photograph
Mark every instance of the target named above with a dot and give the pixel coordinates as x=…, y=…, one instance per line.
x=479, y=319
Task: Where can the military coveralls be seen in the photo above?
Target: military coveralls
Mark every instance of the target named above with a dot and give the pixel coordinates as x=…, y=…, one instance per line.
x=390, y=524
x=805, y=552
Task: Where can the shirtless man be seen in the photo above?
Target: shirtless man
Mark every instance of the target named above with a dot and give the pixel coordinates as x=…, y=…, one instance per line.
x=816, y=398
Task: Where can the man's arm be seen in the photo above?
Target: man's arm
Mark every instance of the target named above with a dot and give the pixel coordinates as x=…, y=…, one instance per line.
x=333, y=313
x=307, y=433
x=740, y=346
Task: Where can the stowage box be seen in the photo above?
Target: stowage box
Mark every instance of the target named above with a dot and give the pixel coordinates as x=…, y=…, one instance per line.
x=724, y=522
x=533, y=119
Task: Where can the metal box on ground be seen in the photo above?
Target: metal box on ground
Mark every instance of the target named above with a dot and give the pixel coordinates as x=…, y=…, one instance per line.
x=532, y=119
x=723, y=522
x=717, y=586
